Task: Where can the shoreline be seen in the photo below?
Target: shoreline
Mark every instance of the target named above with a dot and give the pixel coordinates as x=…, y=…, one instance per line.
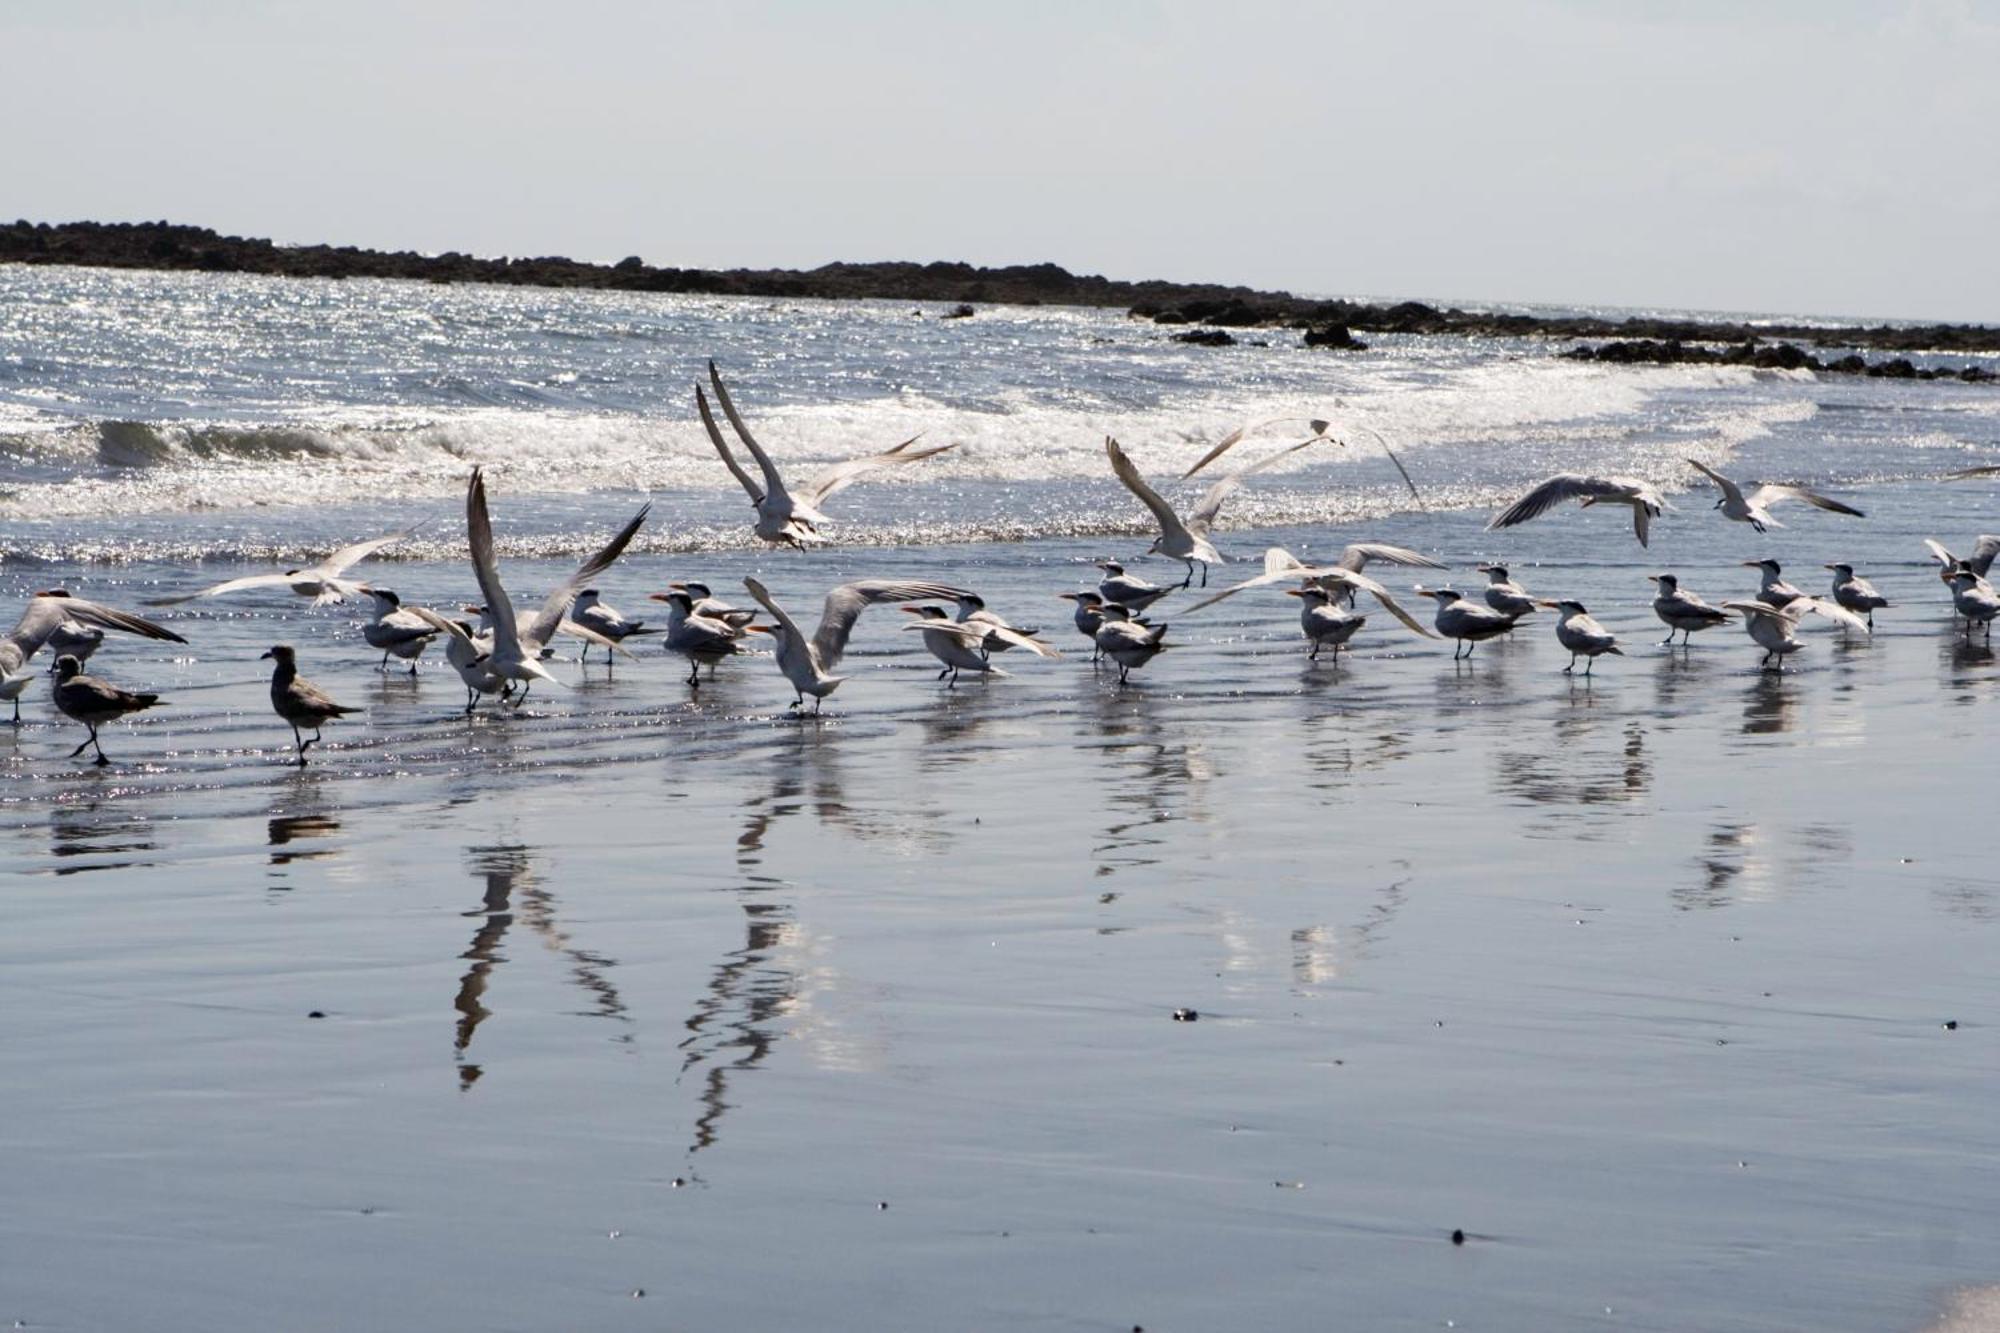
x=173, y=247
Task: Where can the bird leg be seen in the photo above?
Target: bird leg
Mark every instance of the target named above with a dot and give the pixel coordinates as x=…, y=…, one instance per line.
x=694, y=673
x=943, y=673
x=83, y=745
x=17, y=710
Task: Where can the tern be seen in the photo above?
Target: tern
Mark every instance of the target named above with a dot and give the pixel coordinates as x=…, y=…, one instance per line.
x=1326, y=623
x=1582, y=635
x=1127, y=590
x=321, y=582
x=395, y=630
x=1468, y=622
x=960, y=646
x=1856, y=593
x=808, y=663
x=1774, y=627
x=517, y=648
x=1281, y=565
x=1321, y=430
x=1188, y=541
x=93, y=702
x=1643, y=497
x=1773, y=591
x=1681, y=611
x=704, y=640
x=299, y=701
x=469, y=652
x=45, y=614
x=1975, y=599
x=707, y=604
x=1506, y=596
x=1984, y=549
x=782, y=517
x=1089, y=615
x=592, y=613
x=1753, y=509
x=1128, y=642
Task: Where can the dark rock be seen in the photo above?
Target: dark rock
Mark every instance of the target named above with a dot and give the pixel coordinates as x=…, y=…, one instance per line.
x=317, y=1013
x=1334, y=335
x=1898, y=369
x=1458, y=1237
x=1185, y=1015
x=1205, y=338
x=959, y=311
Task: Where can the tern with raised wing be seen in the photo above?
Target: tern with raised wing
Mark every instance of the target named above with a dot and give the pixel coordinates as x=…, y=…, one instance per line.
x=960, y=646
x=1187, y=540
x=1642, y=497
x=1281, y=565
x=321, y=582
x=1754, y=508
x=44, y=615
x=93, y=702
x=1321, y=430
x=469, y=651
x=785, y=518
x=1774, y=628
x=1681, y=611
x=1975, y=599
x=809, y=663
x=517, y=648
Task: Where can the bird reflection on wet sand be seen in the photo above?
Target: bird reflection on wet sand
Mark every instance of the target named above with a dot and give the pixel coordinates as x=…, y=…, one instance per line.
x=91, y=830
x=508, y=871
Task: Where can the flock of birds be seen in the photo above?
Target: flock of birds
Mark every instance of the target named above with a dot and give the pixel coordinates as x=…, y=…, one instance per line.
x=502, y=654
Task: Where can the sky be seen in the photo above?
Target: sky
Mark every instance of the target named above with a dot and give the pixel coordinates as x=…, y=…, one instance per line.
x=1824, y=158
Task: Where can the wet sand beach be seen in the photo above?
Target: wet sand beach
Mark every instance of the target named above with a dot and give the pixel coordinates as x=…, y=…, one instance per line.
x=641, y=1009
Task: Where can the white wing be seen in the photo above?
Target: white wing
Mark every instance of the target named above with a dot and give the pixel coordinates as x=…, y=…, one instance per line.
x=773, y=483
x=1357, y=555
x=1798, y=606
x=485, y=567
x=1210, y=504
x=1341, y=578
x=337, y=564
x=1766, y=496
x=554, y=614
x=842, y=475
x=1170, y=522
x=845, y=604
x=233, y=585
x=1557, y=489
x=722, y=447
x=1730, y=489
x=763, y=596
x=43, y=614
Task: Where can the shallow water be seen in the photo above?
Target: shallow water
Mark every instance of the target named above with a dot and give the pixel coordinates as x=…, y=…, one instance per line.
x=1642, y=981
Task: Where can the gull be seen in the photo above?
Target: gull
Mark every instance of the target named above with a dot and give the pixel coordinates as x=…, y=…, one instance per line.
x=1581, y=634
x=395, y=630
x=808, y=663
x=1188, y=541
x=321, y=582
x=1681, y=611
x=1127, y=590
x=1643, y=497
x=1321, y=430
x=1856, y=593
x=1752, y=510
x=93, y=702
x=468, y=651
x=1974, y=598
x=592, y=613
x=784, y=518
x=1774, y=590
x=45, y=614
x=517, y=648
x=1468, y=622
x=958, y=645
x=1773, y=627
x=705, y=640
x=298, y=700
x=1324, y=622
x=1089, y=615
x=1505, y=595
x=1128, y=642
x=1280, y=564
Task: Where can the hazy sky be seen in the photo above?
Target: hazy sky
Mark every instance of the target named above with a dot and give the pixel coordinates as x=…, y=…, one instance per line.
x=1821, y=157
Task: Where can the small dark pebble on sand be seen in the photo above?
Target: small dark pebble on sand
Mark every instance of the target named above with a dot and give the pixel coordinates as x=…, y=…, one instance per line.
x=679, y=1183
x=1458, y=1237
x=1185, y=1015
x=638, y=1293
x=1951, y=1025
x=317, y=1013
x=882, y=1207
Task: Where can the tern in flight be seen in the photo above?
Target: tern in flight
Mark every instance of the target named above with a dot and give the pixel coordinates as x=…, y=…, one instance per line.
x=45, y=614
x=1187, y=541
x=809, y=663
x=1321, y=430
x=1753, y=509
x=782, y=517
x=517, y=648
x=1343, y=577
x=1643, y=497
x=321, y=582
